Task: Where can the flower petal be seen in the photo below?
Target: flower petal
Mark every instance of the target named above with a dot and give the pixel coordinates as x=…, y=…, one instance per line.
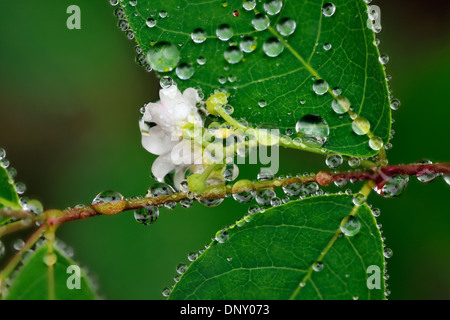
x=157, y=142
x=162, y=166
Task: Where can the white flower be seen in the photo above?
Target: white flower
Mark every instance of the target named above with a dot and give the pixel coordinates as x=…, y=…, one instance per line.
x=164, y=137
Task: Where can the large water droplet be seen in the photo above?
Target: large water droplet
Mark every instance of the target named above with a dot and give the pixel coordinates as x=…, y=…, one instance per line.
x=233, y=55
x=376, y=143
x=147, y=215
x=293, y=189
x=163, y=57
x=361, y=126
x=286, y=26
x=198, y=35
x=320, y=87
x=264, y=196
x=107, y=196
x=313, y=130
x=425, y=178
x=222, y=236
x=394, y=187
x=224, y=32
x=248, y=44
x=273, y=47
x=185, y=71
x=273, y=7
x=340, y=105
x=350, y=226
x=249, y=4
x=260, y=22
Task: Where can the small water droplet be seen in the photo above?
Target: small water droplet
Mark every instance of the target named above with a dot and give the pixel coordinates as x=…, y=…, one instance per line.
x=334, y=161
x=354, y=162
x=376, y=143
x=166, y=292
x=222, y=236
x=388, y=253
x=166, y=82
x=359, y=199
x=327, y=46
x=340, y=105
x=328, y=9
x=394, y=187
x=317, y=266
x=192, y=256
x=320, y=87
x=425, y=178
x=151, y=22
x=264, y=196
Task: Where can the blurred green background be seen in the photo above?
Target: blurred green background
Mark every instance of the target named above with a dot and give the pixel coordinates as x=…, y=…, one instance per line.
x=69, y=105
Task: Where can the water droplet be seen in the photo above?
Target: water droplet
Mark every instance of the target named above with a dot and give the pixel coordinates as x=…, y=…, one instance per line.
x=20, y=187
x=2, y=153
x=159, y=189
x=201, y=60
x=350, y=226
x=275, y=202
x=425, y=178
x=447, y=179
x=262, y=103
x=394, y=187
x=273, y=47
x=264, y=196
x=327, y=46
x=317, y=266
x=211, y=202
x=334, y=161
x=34, y=206
x=107, y=196
x=320, y=87
x=2, y=249
x=273, y=7
x=166, y=292
x=233, y=55
x=18, y=244
x=163, y=57
x=231, y=172
x=361, y=126
x=187, y=203
x=249, y=4
x=248, y=44
x=222, y=236
x=293, y=189
x=313, y=130
x=359, y=199
x=181, y=268
x=166, y=82
x=340, y=105
x=388, y=253
x=163, y=14
x=151, y=22
x=376, y=143
x=354, y=162
x=192, y=256
x=311, y=188
x=185, y=71
x=198, y=35
x=147, y=215
x=376, y=212
x=260, y=22
x=286, y=26
x=384, y=59
x=395, y=104
x=50, y=259
x=224, y=32
x=328, y=9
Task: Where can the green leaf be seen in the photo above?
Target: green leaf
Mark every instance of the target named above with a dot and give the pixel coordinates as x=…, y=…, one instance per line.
x=8, y=195
x=283, y=82
x=268, y=257
x=34, y=281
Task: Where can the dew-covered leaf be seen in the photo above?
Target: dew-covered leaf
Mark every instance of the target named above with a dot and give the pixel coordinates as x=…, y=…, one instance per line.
x=8, y=195
x=278, y=249
x=35, y=280
x=270, y=74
